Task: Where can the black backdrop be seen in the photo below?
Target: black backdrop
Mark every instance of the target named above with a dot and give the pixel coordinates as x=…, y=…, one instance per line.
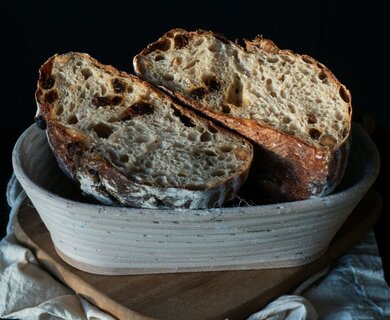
x=347, y=36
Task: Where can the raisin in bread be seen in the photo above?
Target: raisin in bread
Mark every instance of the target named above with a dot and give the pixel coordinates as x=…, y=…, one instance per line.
x=127, y=143
x=292, y=107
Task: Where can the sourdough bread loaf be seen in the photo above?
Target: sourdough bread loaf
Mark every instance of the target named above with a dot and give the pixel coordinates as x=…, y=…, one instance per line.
x=291, y=106
x=127, y=143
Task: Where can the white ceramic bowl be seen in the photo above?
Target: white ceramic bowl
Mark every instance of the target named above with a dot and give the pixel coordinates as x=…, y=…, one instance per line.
x=117, y=240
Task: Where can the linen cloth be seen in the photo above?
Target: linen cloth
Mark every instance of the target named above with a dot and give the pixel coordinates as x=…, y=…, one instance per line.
x=353, y=287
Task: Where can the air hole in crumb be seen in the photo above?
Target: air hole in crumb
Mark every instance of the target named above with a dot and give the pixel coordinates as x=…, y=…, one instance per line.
x=184, y=119
x=211, y=82
x=103, y=90
x=51, y=96
x=73, y=119
x=118, y=85
x=161, y=45
x=318, y=100
x=159, y=57
x=225, y=108
x=322, y=75
x=291, y=108
x=198, y=42
x=222, y=156
x=234, y=94
x=344, y=94
x=124, y=158
x=101, y=101
x=226, y=148
x=193, y=136
x=142, y=139
x=191, y=64
x=47, y=81
x=304, y=71
x=206, y=136
x=311, y=119
x=272, y=59
x=328, y=140
x=87, y=73
x=129, y=89
x=139, y=108
x=286, y=119
x=214, y=47
x=102, y=130
x=282, y=93
x=217, y=173
x=149, y=164
x=314, y=133
x=59, y=110
x=177, y=61
x=306, y=59
x=210, y=153
x=112, y=155
x=180, y=41
x=167, y=77
x=339, y=116
x=178, y=145
x=282, y=78
x=269, y=87
x=198, y=93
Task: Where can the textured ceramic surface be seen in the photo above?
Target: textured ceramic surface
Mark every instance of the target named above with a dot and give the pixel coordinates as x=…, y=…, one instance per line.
x=117, y=240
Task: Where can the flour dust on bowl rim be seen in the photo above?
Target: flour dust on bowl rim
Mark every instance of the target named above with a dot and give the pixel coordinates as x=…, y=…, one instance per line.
x=117, y=240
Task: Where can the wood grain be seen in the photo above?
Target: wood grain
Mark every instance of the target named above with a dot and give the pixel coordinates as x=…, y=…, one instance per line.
x=200, y=295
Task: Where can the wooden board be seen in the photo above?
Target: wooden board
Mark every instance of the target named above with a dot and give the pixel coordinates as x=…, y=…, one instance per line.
x=202, y=295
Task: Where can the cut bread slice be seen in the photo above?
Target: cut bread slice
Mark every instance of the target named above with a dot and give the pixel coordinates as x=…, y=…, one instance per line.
x=127, y=143
x=290, y=105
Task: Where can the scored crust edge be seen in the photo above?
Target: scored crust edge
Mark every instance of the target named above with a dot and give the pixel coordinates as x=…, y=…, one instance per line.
x=303, y=170
x=108, y=185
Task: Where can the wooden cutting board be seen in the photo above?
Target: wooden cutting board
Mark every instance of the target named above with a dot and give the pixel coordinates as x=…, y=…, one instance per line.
x=202, y=295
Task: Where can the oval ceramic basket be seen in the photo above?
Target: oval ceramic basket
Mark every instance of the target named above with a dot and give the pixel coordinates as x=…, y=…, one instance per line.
x=117, y=240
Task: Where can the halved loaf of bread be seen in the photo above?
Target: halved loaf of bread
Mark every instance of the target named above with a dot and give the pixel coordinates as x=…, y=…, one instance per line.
x=128, y=143
x=290, y=105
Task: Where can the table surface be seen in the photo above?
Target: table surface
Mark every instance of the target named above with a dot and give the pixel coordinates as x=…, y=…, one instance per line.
x=381, y=136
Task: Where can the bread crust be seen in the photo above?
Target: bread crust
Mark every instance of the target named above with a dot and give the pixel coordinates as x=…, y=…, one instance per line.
x=284, y=167
x=99, y=179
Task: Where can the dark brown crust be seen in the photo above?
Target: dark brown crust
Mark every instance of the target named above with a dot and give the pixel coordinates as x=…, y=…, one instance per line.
x=286, y=167
x=69, y=145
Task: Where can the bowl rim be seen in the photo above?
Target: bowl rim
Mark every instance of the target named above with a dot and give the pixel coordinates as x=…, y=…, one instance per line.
x=371, y=171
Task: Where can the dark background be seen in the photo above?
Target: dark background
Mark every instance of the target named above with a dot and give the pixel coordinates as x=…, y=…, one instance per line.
x=348, y=37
